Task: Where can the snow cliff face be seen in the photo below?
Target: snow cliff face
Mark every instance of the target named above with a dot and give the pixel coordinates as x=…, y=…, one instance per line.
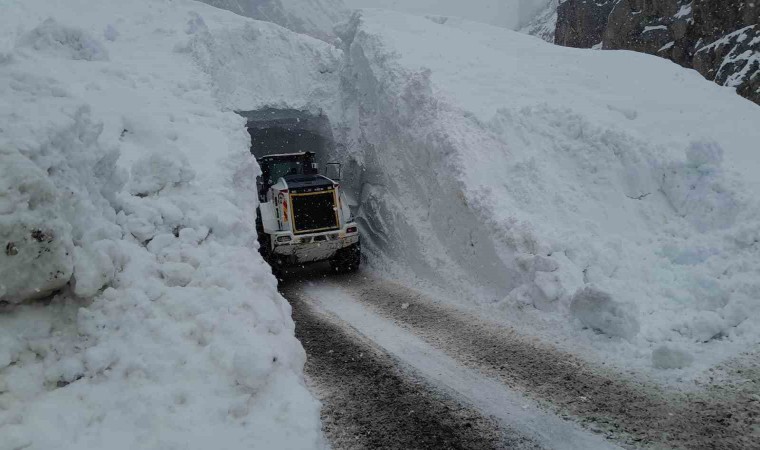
x=313, y=17
x=546, y=182
x=126, y=210
x=720, y=39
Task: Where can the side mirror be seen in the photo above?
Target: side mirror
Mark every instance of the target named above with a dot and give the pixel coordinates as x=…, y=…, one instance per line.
x=333, y=171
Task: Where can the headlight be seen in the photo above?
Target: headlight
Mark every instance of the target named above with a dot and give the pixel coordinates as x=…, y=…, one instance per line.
x=284, y=239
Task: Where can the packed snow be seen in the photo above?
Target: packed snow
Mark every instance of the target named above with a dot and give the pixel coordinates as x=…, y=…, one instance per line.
x=313, y=17
x=603, y=200
x=136, y=311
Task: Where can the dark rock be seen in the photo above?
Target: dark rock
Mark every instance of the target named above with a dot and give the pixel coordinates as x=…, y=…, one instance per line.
x=718, y=38
x=581, y=23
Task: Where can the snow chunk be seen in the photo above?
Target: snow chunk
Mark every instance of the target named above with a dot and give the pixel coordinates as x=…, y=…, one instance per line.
x=94, y=267
x=152, y=173
x=55, y=205
x=666, y=357
x=37, y=246
x=53, y=38
x=596, y=309
x=177, y=273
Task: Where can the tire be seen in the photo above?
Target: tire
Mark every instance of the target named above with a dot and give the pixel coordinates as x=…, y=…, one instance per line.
x=265, y=248
x=262, y=237
x=348, y=259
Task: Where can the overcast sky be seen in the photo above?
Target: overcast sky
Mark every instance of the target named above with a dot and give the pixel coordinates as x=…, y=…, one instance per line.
x=505, y=13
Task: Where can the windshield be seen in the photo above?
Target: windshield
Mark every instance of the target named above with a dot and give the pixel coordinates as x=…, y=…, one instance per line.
x=279, y=169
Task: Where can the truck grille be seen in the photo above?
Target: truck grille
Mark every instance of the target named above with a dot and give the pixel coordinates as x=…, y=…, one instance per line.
x=314, y=211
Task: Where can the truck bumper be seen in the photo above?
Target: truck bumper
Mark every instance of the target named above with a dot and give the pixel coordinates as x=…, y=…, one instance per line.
x=313, y=250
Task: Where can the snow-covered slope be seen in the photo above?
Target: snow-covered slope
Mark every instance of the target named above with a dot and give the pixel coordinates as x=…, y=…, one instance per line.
x=610, y=197
x=544, y=24
x=126, y=203
x=512, y=14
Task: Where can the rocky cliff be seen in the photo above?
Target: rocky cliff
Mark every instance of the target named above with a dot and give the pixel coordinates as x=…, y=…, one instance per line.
x=718, y=38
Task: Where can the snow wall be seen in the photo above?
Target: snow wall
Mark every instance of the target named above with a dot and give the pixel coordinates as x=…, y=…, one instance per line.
x=609, y=198
x=127, y=197
x=313, y=17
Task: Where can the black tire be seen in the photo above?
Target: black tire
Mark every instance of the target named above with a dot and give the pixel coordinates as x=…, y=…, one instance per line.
x=348, y=259
x=278, y=271
x=262, y=237
x=265, y=248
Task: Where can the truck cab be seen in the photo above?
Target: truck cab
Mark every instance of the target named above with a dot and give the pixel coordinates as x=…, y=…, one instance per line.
x=303, y=216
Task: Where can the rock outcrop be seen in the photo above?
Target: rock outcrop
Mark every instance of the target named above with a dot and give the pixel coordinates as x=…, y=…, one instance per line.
x=718, y=38
x=581, y=23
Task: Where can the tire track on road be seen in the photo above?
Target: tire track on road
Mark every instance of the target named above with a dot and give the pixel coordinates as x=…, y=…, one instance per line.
x=370, y=403
x=636, y=413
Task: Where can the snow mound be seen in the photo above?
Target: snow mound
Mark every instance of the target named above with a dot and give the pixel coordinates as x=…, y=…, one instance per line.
x=135, y=310
x=56, y=208
x=521, y=174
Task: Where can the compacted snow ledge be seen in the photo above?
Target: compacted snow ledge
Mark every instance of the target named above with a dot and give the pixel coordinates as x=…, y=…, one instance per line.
x=136, y=311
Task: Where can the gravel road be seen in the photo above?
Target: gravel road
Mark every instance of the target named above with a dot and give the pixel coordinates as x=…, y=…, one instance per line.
x=371, y=401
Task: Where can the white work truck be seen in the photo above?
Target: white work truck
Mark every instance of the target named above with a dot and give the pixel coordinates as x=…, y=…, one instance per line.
x=303, y=217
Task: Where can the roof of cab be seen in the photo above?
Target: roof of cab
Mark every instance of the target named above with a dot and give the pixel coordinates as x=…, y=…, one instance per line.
x=307, y=181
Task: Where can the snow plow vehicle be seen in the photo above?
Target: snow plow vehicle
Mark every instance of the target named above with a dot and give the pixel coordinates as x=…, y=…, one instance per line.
x=303, y=216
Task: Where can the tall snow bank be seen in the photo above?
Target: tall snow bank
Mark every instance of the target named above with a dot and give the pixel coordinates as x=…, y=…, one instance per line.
x=527, y=173
x=136, y=311
x=313, y=17
x=301, y=72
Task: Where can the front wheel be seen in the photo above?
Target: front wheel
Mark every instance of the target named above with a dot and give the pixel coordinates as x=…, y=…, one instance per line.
x=347, y=259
